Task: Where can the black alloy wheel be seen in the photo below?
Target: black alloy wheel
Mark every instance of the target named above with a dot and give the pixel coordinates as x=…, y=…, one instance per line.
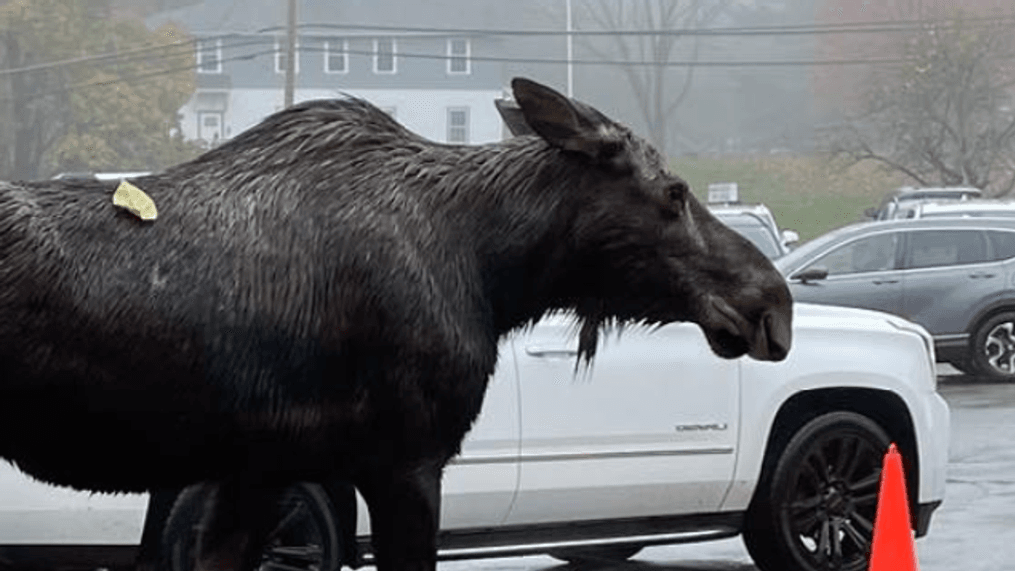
x=993, y=349
x=816, y=511
x=305, y=536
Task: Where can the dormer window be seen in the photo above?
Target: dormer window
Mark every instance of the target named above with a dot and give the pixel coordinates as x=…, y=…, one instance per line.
x=458, y=56
x=280, y=56
x=336, y=56
x=384, y=56
x=209, y=56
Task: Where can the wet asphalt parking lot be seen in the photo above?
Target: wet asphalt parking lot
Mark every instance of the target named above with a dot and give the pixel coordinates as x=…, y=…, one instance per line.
x=973, y=530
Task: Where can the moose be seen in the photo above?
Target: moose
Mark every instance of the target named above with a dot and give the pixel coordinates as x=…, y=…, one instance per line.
x=322, y=296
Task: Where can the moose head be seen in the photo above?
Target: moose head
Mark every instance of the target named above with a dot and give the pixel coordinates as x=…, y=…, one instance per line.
x=645, y=249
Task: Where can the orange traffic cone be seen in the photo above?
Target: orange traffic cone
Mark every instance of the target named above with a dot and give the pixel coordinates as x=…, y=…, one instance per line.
x=892, y=548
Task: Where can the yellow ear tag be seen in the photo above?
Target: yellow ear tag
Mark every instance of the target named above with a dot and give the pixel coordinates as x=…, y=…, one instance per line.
x=133, y=199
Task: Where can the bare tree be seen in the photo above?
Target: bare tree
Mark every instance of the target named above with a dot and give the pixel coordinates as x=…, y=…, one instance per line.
x=946, y=115
x=659, y=88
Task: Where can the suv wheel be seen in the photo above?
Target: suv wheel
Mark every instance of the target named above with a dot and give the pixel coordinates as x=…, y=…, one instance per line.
x=816, y=511
x=587, y=555
x=305, y=537
x=993, y=351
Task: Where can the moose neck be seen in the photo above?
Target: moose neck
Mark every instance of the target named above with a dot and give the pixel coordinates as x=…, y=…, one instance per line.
x=523, y=241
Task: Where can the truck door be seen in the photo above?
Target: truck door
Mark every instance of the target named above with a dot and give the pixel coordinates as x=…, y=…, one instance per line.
x=649, y=429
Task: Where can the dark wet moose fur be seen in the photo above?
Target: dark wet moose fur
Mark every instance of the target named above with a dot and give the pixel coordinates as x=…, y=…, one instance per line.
x=322, y=297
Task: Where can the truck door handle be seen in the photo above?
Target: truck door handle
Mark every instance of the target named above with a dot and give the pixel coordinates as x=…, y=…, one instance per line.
x=879, y=282
x=981, y=275
x=559, y=352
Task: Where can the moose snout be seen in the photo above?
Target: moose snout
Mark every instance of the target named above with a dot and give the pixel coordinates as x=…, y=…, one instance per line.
x=731, y=334
x=773, y=336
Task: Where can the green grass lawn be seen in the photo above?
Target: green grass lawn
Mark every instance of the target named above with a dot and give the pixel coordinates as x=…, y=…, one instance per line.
x=808, y=194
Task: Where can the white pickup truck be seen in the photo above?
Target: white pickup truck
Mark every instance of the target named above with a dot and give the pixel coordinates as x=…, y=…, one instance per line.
x=658, y=442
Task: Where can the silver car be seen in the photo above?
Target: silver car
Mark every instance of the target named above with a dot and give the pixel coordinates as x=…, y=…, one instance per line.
x=900, y=202
x=954, y=276
x=756, y=223
x=985, y=208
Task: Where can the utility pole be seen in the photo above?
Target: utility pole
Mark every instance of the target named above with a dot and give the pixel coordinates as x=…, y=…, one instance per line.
x=290, y=50
x=570, y=52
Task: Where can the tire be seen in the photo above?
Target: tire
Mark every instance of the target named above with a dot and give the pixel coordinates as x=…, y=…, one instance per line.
x=790, y=510
x=592, y=555
x=993, y=351
x=306, y=536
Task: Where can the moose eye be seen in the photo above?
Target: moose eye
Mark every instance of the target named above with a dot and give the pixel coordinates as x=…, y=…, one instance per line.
x=675, y=192
x=610, y=150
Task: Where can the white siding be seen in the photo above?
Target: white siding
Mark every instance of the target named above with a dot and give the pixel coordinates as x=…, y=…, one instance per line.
x=421, y=111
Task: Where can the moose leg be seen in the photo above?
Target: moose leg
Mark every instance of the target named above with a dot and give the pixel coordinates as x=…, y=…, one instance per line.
x=160, y=504
x=404, y=509
x=235, y=526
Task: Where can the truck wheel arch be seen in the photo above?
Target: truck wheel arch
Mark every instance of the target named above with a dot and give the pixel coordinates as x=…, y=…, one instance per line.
x=885, y=408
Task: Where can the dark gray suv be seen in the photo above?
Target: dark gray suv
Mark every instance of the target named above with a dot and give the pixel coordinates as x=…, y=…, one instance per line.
x=956, y=277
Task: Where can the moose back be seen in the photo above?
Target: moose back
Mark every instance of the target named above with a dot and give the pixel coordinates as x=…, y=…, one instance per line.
x=322, y=297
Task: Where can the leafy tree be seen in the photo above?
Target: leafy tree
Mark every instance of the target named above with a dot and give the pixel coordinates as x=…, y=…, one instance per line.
x=946, y=115
x=86, y=90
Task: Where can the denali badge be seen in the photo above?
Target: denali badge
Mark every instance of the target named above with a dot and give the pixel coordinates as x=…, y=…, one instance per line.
x=694, y=427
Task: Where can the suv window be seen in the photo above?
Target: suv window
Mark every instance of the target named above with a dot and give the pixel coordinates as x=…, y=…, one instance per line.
x=870, y=254
x=1003, y=244
x=759, y=235
x=933, y=248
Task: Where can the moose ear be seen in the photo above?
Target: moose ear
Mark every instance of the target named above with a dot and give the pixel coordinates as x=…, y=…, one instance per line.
x=511, y=113
x=565, y=123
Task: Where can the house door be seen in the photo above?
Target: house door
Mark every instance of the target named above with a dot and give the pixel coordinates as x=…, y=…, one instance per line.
x=209, y=126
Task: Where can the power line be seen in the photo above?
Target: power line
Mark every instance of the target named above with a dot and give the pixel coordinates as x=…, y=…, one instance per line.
x=138, y=54
x=782, y=29
x=788, y=29
x=669, y=63
x=272, y=52
x=444, y=56
x=128, y=56
x=133, y=78
x=534, y=61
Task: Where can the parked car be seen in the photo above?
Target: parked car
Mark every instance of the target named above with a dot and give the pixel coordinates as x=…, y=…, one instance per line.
x=953, y=276
x=756, y=223
x=659, y=442
x=899, y=202
x=101, y=176
x=973, y=208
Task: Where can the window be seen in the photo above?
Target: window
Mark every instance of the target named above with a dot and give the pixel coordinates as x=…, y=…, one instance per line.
x=1003, y=244
x=759, y=235
x=384, y=56
x=209, y=57
x=458, y=56
x=458, y=124
x=871, y=254
x=280, y=55
x=336, y=56
x=928, y=249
